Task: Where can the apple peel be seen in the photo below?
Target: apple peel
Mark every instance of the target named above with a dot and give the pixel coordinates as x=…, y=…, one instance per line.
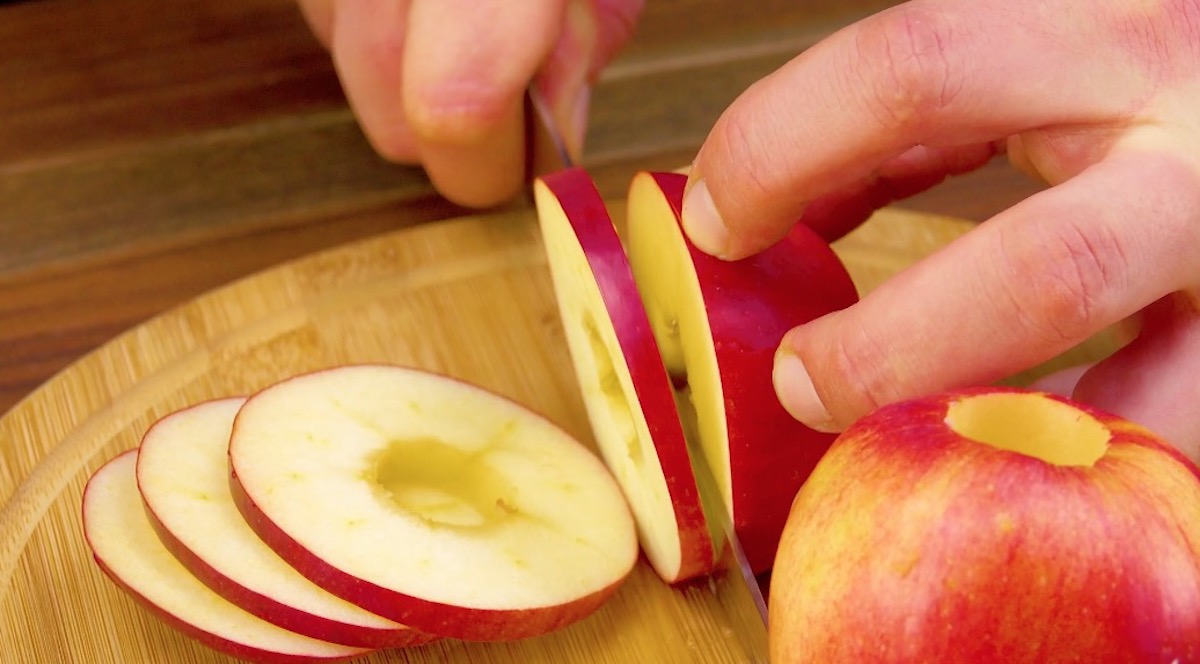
x=183, y=477
x=625, y=387
x=718, y=325
x=992, y=525
x=127, y=548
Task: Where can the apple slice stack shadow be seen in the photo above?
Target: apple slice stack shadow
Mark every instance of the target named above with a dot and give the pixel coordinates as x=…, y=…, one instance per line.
x=354, y=508
x=673, y=350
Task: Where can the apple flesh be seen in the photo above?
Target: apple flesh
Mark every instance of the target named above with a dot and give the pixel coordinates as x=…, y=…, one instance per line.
x=623, y=381
x=718, y=325
x=127, y=548
x=183, y=477
x=992, y=525
x=431, y=502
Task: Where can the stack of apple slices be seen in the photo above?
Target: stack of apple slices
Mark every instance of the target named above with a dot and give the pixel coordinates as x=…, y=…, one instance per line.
x=183, y=477
x=673, y=350
x=355, y=508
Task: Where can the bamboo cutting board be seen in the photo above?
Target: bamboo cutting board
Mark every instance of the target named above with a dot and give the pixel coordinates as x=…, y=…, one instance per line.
x=470, y=298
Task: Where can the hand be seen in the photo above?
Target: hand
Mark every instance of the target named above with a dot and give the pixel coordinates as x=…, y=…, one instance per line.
x=441, y=83
x=1100, y=99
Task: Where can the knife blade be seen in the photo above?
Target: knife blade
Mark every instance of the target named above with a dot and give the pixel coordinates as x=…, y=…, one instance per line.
x=733, y=556
x=545, y=146
x=548, y=152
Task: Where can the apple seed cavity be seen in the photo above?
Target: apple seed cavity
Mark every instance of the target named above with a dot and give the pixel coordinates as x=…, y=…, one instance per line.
x=442, y=484
x=608, y=384
x=1031, y=425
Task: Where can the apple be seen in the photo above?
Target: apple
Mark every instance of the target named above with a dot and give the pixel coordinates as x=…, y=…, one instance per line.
x=183, y=476
x=430, y=501
x=622, y=379
x=992, y=525
x=718, y=324
x=126, y=546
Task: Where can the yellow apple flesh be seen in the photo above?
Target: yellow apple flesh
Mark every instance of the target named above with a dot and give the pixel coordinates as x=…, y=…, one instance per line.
x=718, y=325
x=625, y=387
x=991, y=525
x=128, y=549
x=183, y=477
x=431, y=502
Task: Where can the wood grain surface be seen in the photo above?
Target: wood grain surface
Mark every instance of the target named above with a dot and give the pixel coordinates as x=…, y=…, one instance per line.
x=152, y=151
x=470, y=298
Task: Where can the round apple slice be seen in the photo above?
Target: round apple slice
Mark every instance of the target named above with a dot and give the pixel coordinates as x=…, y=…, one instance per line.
x=625, y=386
x=431, y=502
x=719, y=324
x=183, y=476
x=129, y=551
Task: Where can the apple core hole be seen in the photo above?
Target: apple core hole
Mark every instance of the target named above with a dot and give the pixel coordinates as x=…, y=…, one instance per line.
x=1031, y=424
x=442, y=484
x=609, y=383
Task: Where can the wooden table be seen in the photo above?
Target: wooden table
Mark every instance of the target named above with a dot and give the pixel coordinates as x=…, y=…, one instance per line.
x=150, y=152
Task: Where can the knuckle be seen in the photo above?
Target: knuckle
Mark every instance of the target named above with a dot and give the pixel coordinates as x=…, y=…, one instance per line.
x=1061, y=278
x=907, y=68
x=740, y=156
x=861, y=368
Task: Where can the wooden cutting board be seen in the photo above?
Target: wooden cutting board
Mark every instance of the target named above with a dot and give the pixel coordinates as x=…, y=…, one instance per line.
x=470, y=298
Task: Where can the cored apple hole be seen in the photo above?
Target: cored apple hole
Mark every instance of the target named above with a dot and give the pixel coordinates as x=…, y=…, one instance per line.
x=1030, y=424
x=442, y=484
x=618, y=404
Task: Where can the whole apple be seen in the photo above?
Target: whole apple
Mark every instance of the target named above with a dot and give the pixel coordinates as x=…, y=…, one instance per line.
x=991, y=525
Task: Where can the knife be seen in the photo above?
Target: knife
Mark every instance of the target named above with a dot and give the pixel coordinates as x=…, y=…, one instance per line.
x=547, y=152
x=545, y=146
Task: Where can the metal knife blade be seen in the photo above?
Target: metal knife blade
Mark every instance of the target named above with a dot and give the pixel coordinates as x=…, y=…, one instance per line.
x=546, y=149
x=733, y=555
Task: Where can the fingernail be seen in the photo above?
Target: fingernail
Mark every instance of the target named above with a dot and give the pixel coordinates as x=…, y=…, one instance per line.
x=796, y=392
x=702, y=222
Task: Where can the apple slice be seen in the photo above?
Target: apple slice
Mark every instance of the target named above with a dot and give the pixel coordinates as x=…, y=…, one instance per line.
x=127, y=548
x=718, y=324
x=183, y=476
x=625, y=387
x=431, y=502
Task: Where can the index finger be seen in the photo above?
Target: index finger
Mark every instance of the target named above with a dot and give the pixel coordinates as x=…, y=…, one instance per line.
x=924, y=73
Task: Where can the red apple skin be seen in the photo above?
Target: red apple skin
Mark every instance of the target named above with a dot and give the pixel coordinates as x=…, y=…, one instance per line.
x=652, y=386
x=273, y=611
x=910, y=543
x=288, y=617
x=232, y=648
x=752, y=303
x=431, y=618
x=462, y=623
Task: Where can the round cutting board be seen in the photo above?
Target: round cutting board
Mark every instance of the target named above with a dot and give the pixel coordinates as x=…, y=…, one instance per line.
x=470, y=298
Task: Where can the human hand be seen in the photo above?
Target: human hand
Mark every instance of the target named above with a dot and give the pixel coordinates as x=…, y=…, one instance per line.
x=441, y=83
x=1100, y=99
